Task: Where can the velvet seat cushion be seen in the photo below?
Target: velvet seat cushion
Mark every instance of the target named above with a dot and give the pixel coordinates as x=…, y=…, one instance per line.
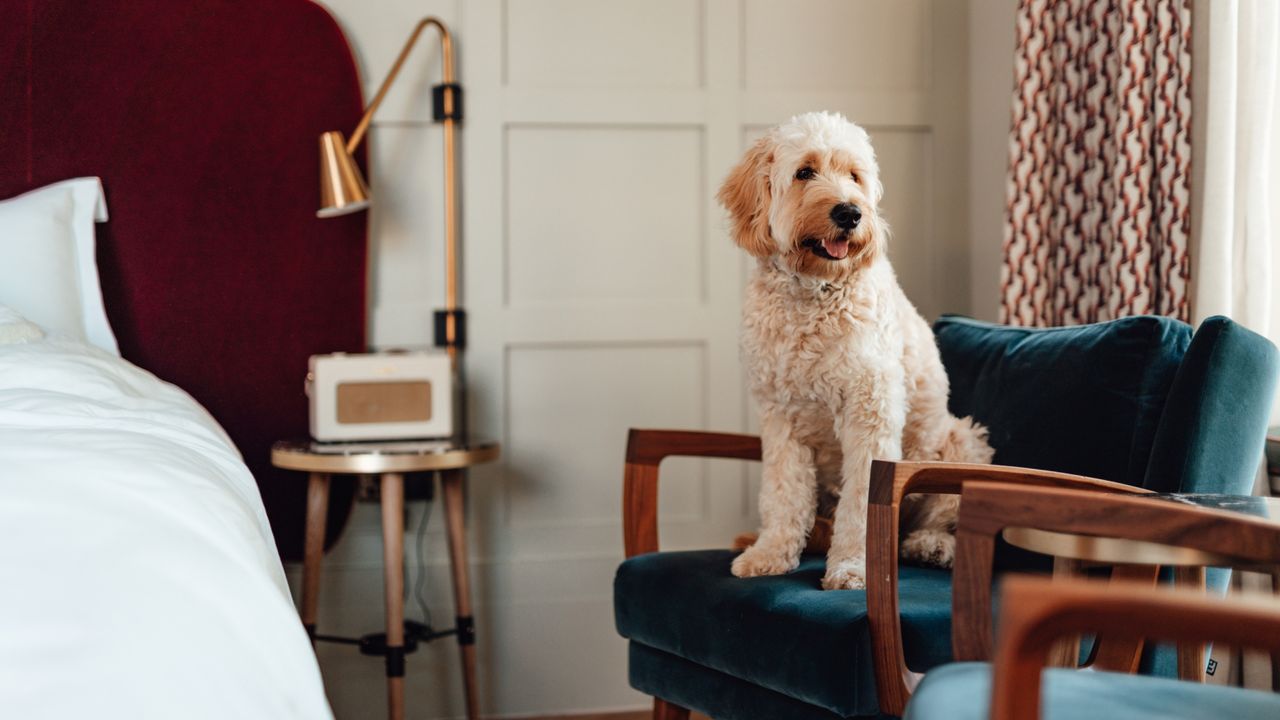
x=783, y=633
x=962, y=691
x=1086, y=399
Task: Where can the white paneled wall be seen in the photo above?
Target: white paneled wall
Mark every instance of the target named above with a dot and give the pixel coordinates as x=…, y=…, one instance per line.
x=602, y=289
x=633, y=233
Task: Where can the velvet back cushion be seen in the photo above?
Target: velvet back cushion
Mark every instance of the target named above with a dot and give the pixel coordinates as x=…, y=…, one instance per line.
x=1086, y=399
x=1214, y=426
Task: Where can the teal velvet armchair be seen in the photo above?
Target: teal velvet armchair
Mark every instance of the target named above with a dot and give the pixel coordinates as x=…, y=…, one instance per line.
x=1034, y=613
x=1132, y=406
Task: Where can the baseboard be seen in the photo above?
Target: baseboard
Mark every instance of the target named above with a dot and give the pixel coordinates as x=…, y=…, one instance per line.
x=639, y=715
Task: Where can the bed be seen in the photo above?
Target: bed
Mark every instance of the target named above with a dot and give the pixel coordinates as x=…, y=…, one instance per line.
x=141, y=524
x=140, y=577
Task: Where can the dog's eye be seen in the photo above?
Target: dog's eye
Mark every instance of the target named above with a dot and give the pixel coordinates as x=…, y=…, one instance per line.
x=855, y=176
x=805, y=173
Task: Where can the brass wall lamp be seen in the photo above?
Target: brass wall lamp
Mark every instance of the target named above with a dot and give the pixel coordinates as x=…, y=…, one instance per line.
x=343, y=189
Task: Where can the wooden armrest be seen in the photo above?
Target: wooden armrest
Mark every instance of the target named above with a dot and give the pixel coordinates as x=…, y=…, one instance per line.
x=890, y=483
x=989, y=508
x=1035, y=612
x=649, y=447
x=646, y=450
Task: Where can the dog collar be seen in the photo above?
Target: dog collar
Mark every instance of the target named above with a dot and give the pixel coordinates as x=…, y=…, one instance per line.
x=809, y=284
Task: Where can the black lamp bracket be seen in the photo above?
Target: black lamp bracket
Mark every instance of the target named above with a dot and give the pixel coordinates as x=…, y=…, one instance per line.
x=442, y=319
x=446, y=102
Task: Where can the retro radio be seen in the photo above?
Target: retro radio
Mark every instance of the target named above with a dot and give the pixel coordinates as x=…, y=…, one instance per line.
x=380, y=396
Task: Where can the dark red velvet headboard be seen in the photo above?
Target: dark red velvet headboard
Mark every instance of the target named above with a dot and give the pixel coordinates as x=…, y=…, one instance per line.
x=202, y=119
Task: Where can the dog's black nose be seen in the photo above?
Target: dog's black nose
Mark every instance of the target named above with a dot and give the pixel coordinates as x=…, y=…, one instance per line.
x=846, y=216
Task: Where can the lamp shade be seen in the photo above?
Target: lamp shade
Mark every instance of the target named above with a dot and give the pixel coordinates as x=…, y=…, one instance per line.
x=342, y=187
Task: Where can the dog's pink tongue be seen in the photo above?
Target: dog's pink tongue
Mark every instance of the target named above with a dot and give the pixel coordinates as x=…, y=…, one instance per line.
x=836, y=248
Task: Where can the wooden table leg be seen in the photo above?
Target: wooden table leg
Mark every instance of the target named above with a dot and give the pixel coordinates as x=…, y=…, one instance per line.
x=1065, y=652
x=393, y=573
x=1191, y=660
x=452, y=482
x=313, y=552
x=1123, y=655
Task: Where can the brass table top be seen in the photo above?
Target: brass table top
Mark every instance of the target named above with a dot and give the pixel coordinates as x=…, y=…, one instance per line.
x=1109, y=551
x=361, y=458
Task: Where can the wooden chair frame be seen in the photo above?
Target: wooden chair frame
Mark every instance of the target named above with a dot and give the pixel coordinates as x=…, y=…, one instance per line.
x=890, y=483
x=1036, y=612
x=988, y=509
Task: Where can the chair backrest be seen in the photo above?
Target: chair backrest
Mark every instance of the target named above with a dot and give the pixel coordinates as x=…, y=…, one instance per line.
x=1214, y=425
x=1086, y=399
x=1136, y=400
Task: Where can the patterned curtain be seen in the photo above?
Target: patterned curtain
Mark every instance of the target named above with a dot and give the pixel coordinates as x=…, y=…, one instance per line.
x=1098, y=201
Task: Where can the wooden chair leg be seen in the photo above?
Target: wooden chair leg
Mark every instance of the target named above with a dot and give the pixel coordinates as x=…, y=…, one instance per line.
x=663, y=710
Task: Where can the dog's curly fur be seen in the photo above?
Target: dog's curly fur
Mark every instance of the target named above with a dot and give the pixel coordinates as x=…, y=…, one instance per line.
x=842, y=366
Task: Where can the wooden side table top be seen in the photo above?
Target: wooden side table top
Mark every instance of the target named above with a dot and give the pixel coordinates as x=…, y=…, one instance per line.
x=1123, y=551
x=381, y=457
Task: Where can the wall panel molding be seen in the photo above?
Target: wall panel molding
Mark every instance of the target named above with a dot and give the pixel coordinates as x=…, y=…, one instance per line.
x=603, y=213
x=565, y=435
x=589, y=44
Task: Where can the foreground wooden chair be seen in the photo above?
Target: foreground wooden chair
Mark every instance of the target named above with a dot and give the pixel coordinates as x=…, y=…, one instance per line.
x=1037, y=614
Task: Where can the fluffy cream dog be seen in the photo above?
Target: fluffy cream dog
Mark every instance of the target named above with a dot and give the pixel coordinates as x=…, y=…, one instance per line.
x=842, y=366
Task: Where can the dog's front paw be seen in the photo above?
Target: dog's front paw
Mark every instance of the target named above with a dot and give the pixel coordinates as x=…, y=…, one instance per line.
x=845, y=576
x=935, y=548
x=756, y=561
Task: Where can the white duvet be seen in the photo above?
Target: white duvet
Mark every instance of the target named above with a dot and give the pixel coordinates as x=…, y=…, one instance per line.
x=138, y=576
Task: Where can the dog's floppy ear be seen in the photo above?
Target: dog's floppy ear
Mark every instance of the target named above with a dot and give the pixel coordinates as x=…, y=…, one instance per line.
x=745, y=194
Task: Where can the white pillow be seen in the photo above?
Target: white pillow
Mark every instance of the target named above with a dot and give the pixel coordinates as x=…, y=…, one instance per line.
x=48, y=267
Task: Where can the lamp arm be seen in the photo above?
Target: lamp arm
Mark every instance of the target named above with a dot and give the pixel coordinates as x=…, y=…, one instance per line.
x=450, y=323
x=446, y=52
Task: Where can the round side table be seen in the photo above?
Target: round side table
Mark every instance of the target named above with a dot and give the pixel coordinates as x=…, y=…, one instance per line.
x=389, y=461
